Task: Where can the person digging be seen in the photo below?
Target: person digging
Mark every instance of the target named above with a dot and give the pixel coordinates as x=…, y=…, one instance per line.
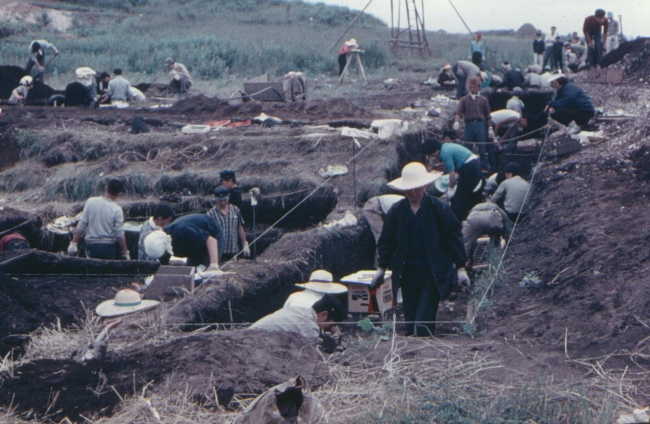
x=420, y=242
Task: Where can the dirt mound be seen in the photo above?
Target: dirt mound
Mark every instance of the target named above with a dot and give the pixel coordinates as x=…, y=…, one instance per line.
x=527, y=30
x=636, y=66
x=9, y=79
x=199, y=104
x=224, y=363
x=155, y=90
x=624, y=49
x=332, y=109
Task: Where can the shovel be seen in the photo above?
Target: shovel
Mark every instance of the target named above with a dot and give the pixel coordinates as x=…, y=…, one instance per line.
x=96, y=351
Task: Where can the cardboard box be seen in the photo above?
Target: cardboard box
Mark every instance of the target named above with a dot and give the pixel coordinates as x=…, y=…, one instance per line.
x=362, y=300
x=170, y=280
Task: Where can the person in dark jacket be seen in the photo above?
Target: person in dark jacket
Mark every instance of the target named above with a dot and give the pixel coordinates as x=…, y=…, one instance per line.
x=229, y=180
x=511, y=78
x=570, y=103
x=539, y=46
x=198, y=238
x=421, y=242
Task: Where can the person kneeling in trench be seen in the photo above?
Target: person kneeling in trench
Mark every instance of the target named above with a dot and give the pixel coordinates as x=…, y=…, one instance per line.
x=308, y=322
x=196, y=237
x=421, y=242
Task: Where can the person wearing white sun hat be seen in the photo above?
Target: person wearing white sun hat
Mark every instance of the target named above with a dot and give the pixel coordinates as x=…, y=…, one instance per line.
x=421, y=242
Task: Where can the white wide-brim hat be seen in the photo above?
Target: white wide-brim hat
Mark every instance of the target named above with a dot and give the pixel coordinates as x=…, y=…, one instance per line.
x=556, y=77
x=322, y=281
x=442, y=184
x=414, y=175
x=157, y=243
x=352, y=42
x=126, y=302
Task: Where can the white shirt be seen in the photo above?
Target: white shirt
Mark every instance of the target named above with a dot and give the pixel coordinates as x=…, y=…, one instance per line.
x=499, y=116
x=388, y=200
x=303, y=299
x=293, y=320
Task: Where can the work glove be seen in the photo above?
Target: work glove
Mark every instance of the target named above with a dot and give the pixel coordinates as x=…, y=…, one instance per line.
x=463, y=279
x=126, y=255
x=378, y=279
x=246, y=251
x=491, y=133
x=456, y=126
x=451, y=192
x=73, y=249
x=213, y=267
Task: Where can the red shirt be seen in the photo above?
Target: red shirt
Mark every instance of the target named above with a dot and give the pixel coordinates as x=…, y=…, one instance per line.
x=591, y=26
x=346, y=49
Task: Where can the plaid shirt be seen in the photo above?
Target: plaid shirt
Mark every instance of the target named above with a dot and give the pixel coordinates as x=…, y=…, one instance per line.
x=229, y=224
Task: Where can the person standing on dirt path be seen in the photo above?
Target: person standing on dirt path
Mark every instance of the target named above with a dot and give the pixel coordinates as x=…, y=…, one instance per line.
x=308, y=322
x=37, y=57
x=231, y=222
x=344, y=51
x=102, y=221
x=475, y=110
x=513, y=192
x=421, y=242
x=595, y=28
x=477, y=50
x=19, y=94
x=549, y=40
x=612, y=34
x=571, y=103
x=229, y=180
x=539, y=48
x=163, y=215
x=181, y=81
x=466, y=181
x=118, y=88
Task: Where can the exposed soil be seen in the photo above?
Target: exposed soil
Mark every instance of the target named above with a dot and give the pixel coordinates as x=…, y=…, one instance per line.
x=585, y=241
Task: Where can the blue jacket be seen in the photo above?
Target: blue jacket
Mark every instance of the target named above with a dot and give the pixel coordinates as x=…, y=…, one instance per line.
x=539, y=46
x=571, y=96
x=443, y=242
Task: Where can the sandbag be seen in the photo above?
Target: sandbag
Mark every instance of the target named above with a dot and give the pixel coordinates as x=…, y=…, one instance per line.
x=288, y=402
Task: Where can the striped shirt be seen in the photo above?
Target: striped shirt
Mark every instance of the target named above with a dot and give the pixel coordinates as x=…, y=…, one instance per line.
x=229, y=224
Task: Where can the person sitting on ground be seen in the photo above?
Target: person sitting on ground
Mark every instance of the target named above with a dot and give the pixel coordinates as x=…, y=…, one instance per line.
x=19, y=94
x=102, y=221
x=571, y=103
x=14, y=241
x=196, y=237
x=446, y=77
x=311, y=323
x=513, y=191
x=102, y=88
x=231, y=222
x=163, y=215
x=511, y=78
x=475, y=110
x=484, y=218
x=118, y=88
x=181, y=81
x=344, y=52
x=477, y=50
x=37, y=57
x=229, y=179
x=463, y=71
x=464, y=169
x=514, y=102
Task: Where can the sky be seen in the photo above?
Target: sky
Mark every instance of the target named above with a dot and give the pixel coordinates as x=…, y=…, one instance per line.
x=566, y=15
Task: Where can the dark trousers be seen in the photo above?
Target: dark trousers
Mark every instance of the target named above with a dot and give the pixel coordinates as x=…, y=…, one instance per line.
x=461, y=89
x=595, y=53
x=565, y=116
x=477, y=58
x=342, y=61
x=30, y=64
x=465, y=197
x=549, y=57
x=181, y=86
x=476, y=132
x=421, y=300
x=101, y=251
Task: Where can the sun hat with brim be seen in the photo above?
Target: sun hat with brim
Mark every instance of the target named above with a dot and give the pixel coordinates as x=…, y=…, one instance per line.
x=351, y=42
x=442, y=184
x=414, y=175
x=556, y=77
x=157, y=243
x=322, y=281
x=126, y=302
x=446, y=66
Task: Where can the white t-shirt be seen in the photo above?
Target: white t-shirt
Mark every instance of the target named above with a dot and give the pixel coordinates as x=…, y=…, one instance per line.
x=292, y=319
x=499, y=116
